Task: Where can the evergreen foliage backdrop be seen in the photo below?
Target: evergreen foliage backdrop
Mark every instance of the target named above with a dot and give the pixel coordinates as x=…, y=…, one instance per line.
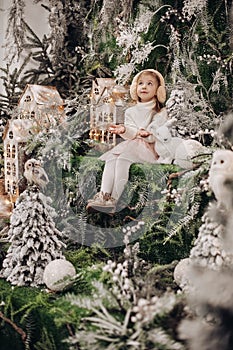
x=125, y=296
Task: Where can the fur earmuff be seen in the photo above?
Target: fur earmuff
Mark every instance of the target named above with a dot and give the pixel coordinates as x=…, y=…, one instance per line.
x=161, y=91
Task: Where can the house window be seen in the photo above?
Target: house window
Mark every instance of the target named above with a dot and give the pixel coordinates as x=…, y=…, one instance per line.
x=13, y=152
x=8, y=186
x=8, y=151
x=13, y=169
x=8, y=168
x=11, y=135
x=14, y=188
x=24, y=115
x=27, y=98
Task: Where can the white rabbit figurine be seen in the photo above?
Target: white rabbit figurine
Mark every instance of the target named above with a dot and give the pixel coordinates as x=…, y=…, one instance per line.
x=174, y=149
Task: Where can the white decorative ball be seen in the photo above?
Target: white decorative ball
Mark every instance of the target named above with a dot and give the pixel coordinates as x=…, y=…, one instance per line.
x=181, y=272
x=57, y=274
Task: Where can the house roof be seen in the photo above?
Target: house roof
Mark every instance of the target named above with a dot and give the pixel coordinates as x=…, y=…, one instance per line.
x=21, y=128
x=43, y=95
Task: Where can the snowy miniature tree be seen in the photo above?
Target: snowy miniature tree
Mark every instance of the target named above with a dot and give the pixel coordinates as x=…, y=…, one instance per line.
x=210, y=326
x=34, y=239
x=210, y=295
x=208, y=250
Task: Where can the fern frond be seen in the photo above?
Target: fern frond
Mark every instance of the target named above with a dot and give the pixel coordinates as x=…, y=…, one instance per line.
x=30, y=326
x=179, y=226
x=46, y=342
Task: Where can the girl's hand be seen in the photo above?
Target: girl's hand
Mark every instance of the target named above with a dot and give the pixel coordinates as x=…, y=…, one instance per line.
x=143, y=133
x=117, y=129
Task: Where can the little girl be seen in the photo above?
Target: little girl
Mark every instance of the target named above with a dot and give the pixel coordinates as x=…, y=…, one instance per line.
x=148, y=91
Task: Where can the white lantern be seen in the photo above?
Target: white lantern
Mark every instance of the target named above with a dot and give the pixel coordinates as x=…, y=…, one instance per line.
x=108, y=103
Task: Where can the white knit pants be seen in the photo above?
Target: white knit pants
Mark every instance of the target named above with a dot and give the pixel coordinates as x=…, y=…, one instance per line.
x=115, y=176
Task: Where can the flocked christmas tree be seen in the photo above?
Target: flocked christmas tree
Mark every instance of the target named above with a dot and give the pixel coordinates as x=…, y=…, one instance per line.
x=208, y=250
x=34, y=238
x=210, y=295
x=210, y=301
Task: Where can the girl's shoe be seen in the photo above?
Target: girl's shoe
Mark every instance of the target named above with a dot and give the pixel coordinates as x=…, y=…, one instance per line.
x=102, y=202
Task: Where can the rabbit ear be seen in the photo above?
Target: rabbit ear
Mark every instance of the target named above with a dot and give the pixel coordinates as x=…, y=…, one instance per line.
x=170, y=122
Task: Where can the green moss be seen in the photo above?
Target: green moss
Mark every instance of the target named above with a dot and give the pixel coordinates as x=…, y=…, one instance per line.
x=39, y=314
x=28, y=309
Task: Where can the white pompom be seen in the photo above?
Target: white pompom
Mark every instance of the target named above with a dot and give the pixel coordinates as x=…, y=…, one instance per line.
x=57, y=274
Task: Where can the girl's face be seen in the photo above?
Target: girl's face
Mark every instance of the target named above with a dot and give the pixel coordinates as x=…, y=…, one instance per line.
x=146, y=87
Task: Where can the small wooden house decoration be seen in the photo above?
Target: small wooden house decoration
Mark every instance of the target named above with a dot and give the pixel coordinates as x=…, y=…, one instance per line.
x=16, y=134
x=39, y=108
x=43, y=104
x=108, y=103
